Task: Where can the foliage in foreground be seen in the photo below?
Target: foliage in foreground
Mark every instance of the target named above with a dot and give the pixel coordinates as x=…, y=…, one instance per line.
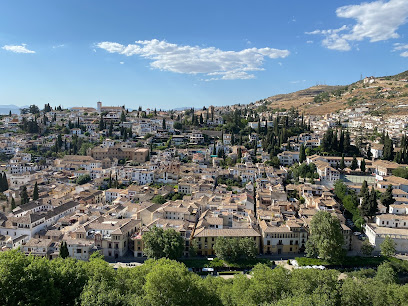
x=37, y=281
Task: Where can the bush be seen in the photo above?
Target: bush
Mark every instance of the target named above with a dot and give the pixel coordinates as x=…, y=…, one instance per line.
x=83, y=179
x=229, y=272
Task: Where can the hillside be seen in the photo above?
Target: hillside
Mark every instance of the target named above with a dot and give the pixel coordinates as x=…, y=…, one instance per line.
x=384, y=95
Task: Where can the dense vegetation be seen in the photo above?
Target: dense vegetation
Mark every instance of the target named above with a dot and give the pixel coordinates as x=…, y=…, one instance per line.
x=28, y=280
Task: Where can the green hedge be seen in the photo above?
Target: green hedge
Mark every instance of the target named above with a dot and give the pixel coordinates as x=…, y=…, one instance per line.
x=348, y=261
x=229, y=272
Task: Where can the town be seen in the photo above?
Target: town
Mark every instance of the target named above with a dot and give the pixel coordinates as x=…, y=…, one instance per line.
x=100, y=179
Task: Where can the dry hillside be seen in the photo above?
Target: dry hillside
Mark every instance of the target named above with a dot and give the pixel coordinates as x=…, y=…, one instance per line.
x=385, y=95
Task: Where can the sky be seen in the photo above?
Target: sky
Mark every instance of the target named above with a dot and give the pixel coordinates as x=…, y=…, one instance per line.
x=170, y=54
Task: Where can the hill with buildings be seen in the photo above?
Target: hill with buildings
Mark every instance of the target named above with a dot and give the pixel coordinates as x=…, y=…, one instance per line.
x=382, y=95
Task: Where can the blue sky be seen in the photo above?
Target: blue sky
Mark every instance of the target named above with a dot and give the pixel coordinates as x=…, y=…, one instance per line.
x=168, y=54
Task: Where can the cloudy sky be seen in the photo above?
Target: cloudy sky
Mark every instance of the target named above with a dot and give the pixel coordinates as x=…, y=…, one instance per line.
x=168, y=54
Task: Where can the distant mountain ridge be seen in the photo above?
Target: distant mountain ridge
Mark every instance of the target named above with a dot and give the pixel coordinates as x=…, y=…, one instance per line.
x=5, y=109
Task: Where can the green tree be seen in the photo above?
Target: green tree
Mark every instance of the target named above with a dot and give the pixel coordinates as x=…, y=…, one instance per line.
x=302, y=154
x=369, y=205
x=386, y=273
x=160, y=243
x=326, y=239
x=388, y=150
x=275, y=162
x=159, y=199
x=33, y=109
x=83, y=179
x=363, y=165
x=386, y=198
x=101, y=123
x=367, y=248
x=388, y=247
x=232, y=249
x=354, y=163
x=340, y=189
x=364, y=189
x=24, y=196
x=64, y=253
x=13, y=203
x=123, y=117
x=170, y=283
x=35, y=192
x=342, y=163
x=266, y=286
x=110, y=133
x=373, y=202
x=5, y=185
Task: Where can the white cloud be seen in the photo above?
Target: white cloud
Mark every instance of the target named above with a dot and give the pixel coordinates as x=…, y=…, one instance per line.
x=58, y=46
x=298, y=81
x=17, y=49
x=376, y=21
x=248, y=42
x=208, y=61
x=334, y=39
x=121, y=63
x=401, y=47
x=309, y=42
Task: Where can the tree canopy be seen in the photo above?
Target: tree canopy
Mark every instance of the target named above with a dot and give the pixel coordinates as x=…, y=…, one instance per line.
x=326, y=239
x=160, y=243
x=232, y=249
x=30, y=280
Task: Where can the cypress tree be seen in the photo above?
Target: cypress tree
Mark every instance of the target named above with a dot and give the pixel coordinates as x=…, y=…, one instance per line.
x=24, y=196
x=347, y=143
x=5, y=182
x=364, y=189
x=302, y=154
x=13, y=203
x=369, y=154
x=111, y=129
x=354, y=163
x=2, y=187
x=35, y=192
x=365, y=204
x=363, y=165
x=64, y=253
x=101, y=124
x=373, y=203
x=342, y=164
x=386, y=198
